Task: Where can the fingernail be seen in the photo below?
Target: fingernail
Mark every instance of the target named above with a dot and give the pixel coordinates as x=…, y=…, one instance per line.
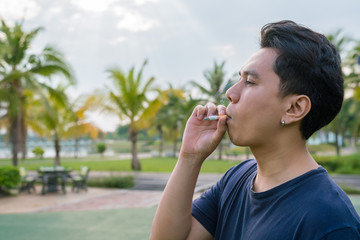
x=200, y=117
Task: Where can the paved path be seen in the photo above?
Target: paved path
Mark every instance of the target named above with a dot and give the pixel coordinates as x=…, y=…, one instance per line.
x=146, y=193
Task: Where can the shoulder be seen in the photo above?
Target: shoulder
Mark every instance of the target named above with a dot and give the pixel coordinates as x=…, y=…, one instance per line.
x=248, y=166
x=329, y=208
x=348, y=233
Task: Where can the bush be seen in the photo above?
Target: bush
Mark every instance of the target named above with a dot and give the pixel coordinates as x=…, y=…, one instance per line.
x=101, y=147
x=112, y=182
x=349, y=164
x=38, y=151
x=9, y=178
x=349, y=190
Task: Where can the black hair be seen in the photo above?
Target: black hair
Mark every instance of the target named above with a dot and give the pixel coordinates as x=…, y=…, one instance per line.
x=307, y=64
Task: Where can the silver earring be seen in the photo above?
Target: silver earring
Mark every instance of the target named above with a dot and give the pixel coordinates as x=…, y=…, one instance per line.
x=283, y=123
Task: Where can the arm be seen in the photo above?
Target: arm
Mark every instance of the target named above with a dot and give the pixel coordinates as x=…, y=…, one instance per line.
x=173, y=218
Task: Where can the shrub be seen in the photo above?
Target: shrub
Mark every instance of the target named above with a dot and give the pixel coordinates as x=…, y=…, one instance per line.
x=38, y=151
x=112, y=182
x=101, y=147
x=9, y=178
x=349, y=164
x=349, y=190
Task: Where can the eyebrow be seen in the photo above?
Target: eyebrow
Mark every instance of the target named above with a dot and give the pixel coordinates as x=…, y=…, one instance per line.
x=251, y=73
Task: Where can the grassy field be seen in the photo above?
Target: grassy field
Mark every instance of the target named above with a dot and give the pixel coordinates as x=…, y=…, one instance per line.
x=111, y=164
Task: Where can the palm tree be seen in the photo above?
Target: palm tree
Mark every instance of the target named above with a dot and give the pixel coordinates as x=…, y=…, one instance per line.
x=57, y=119
x=338, y=125
x=20, y=71
x=79, y=126
x=163, y=117
x=171, y=118
x=130, y=101
x=215, y=91
x=215, y=79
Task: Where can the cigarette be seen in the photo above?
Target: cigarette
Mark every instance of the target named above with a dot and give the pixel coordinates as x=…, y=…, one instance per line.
x=214, y=117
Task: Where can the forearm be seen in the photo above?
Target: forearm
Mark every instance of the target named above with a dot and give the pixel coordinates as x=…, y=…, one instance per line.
x=173, y=216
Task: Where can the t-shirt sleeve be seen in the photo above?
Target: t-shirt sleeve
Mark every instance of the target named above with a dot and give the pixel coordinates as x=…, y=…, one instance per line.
x=205, y=208
x=343, y=233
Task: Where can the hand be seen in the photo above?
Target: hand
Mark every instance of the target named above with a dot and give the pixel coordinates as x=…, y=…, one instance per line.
x=201, y=137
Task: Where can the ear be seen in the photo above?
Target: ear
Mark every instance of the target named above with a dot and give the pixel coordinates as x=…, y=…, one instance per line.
x=298, y=106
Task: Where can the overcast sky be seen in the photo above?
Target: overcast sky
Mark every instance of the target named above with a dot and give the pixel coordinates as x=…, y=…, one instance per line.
x=180, y=38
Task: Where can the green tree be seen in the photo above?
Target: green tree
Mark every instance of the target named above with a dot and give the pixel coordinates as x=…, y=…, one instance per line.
x=57, y=119
x=78, y=125
x=101, y=147
x=129, y=100
x=21, y=71
x=171, y=118
x=338, y=126
x=39, y=152
x=215, y=78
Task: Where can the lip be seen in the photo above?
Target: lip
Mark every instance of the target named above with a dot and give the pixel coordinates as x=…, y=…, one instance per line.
x=228, y=115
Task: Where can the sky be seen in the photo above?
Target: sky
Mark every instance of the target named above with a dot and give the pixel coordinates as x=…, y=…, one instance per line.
x=179, y=38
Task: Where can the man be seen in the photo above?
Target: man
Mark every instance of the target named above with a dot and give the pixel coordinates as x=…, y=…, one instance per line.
x=287, y=90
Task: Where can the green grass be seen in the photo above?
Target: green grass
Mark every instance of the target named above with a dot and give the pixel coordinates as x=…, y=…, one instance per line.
x=349, y=164
x=350, y=190
x=321, y=148
x=112, y=182
x=110, y=164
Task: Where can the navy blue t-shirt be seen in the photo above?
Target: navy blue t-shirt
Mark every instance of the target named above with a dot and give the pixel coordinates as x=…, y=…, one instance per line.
x=308, y=207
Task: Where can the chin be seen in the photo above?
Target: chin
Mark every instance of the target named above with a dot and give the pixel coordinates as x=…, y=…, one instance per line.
x=236, y=141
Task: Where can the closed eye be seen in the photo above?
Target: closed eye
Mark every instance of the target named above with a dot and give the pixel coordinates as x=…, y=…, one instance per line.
x=249, y=82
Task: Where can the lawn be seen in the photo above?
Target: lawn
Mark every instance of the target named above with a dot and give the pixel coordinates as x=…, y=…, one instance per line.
x=111, y=164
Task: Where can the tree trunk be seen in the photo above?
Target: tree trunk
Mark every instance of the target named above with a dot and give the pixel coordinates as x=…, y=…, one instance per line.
x=22, y=129
x=327, y=137
x=57, y=150
x=337, y=143
x=76, y=148
x=161, y=144
x=14, y=139
x=174, y=147
x=135, y=163
x=247, y=150
x=220, y=148
x=14, y=111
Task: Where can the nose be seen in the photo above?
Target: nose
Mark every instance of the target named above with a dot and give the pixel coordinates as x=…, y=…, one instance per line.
x=233, y=93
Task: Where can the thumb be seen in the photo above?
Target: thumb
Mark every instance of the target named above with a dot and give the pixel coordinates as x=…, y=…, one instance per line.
x=221, y=129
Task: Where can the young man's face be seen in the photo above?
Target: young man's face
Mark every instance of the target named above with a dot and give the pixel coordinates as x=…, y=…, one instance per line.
x=255, y=108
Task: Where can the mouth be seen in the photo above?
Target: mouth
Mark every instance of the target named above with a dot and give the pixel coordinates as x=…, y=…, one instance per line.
x=228, y=117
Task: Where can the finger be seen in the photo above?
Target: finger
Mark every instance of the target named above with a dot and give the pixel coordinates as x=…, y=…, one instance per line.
x=221, y=109
x=199, y=112
x=220, y=130
x=211, y=109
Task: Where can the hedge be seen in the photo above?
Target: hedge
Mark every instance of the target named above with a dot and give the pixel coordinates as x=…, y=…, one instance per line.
x=349, y=164
x=9, y=177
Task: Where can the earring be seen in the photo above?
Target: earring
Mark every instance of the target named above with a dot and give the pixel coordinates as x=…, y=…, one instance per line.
x=283, y=123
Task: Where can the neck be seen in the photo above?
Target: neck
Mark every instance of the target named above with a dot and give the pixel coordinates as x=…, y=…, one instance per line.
x=290, y=160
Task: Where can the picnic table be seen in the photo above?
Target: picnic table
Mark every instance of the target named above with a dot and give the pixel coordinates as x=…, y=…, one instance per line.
x=53, y=177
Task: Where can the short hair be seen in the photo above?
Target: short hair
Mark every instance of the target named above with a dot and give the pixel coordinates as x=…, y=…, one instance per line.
x=308, y=64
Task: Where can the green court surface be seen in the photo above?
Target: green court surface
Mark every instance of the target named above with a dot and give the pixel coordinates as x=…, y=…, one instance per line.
x=119, y=224
x=124, y=224
x=355, y=199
